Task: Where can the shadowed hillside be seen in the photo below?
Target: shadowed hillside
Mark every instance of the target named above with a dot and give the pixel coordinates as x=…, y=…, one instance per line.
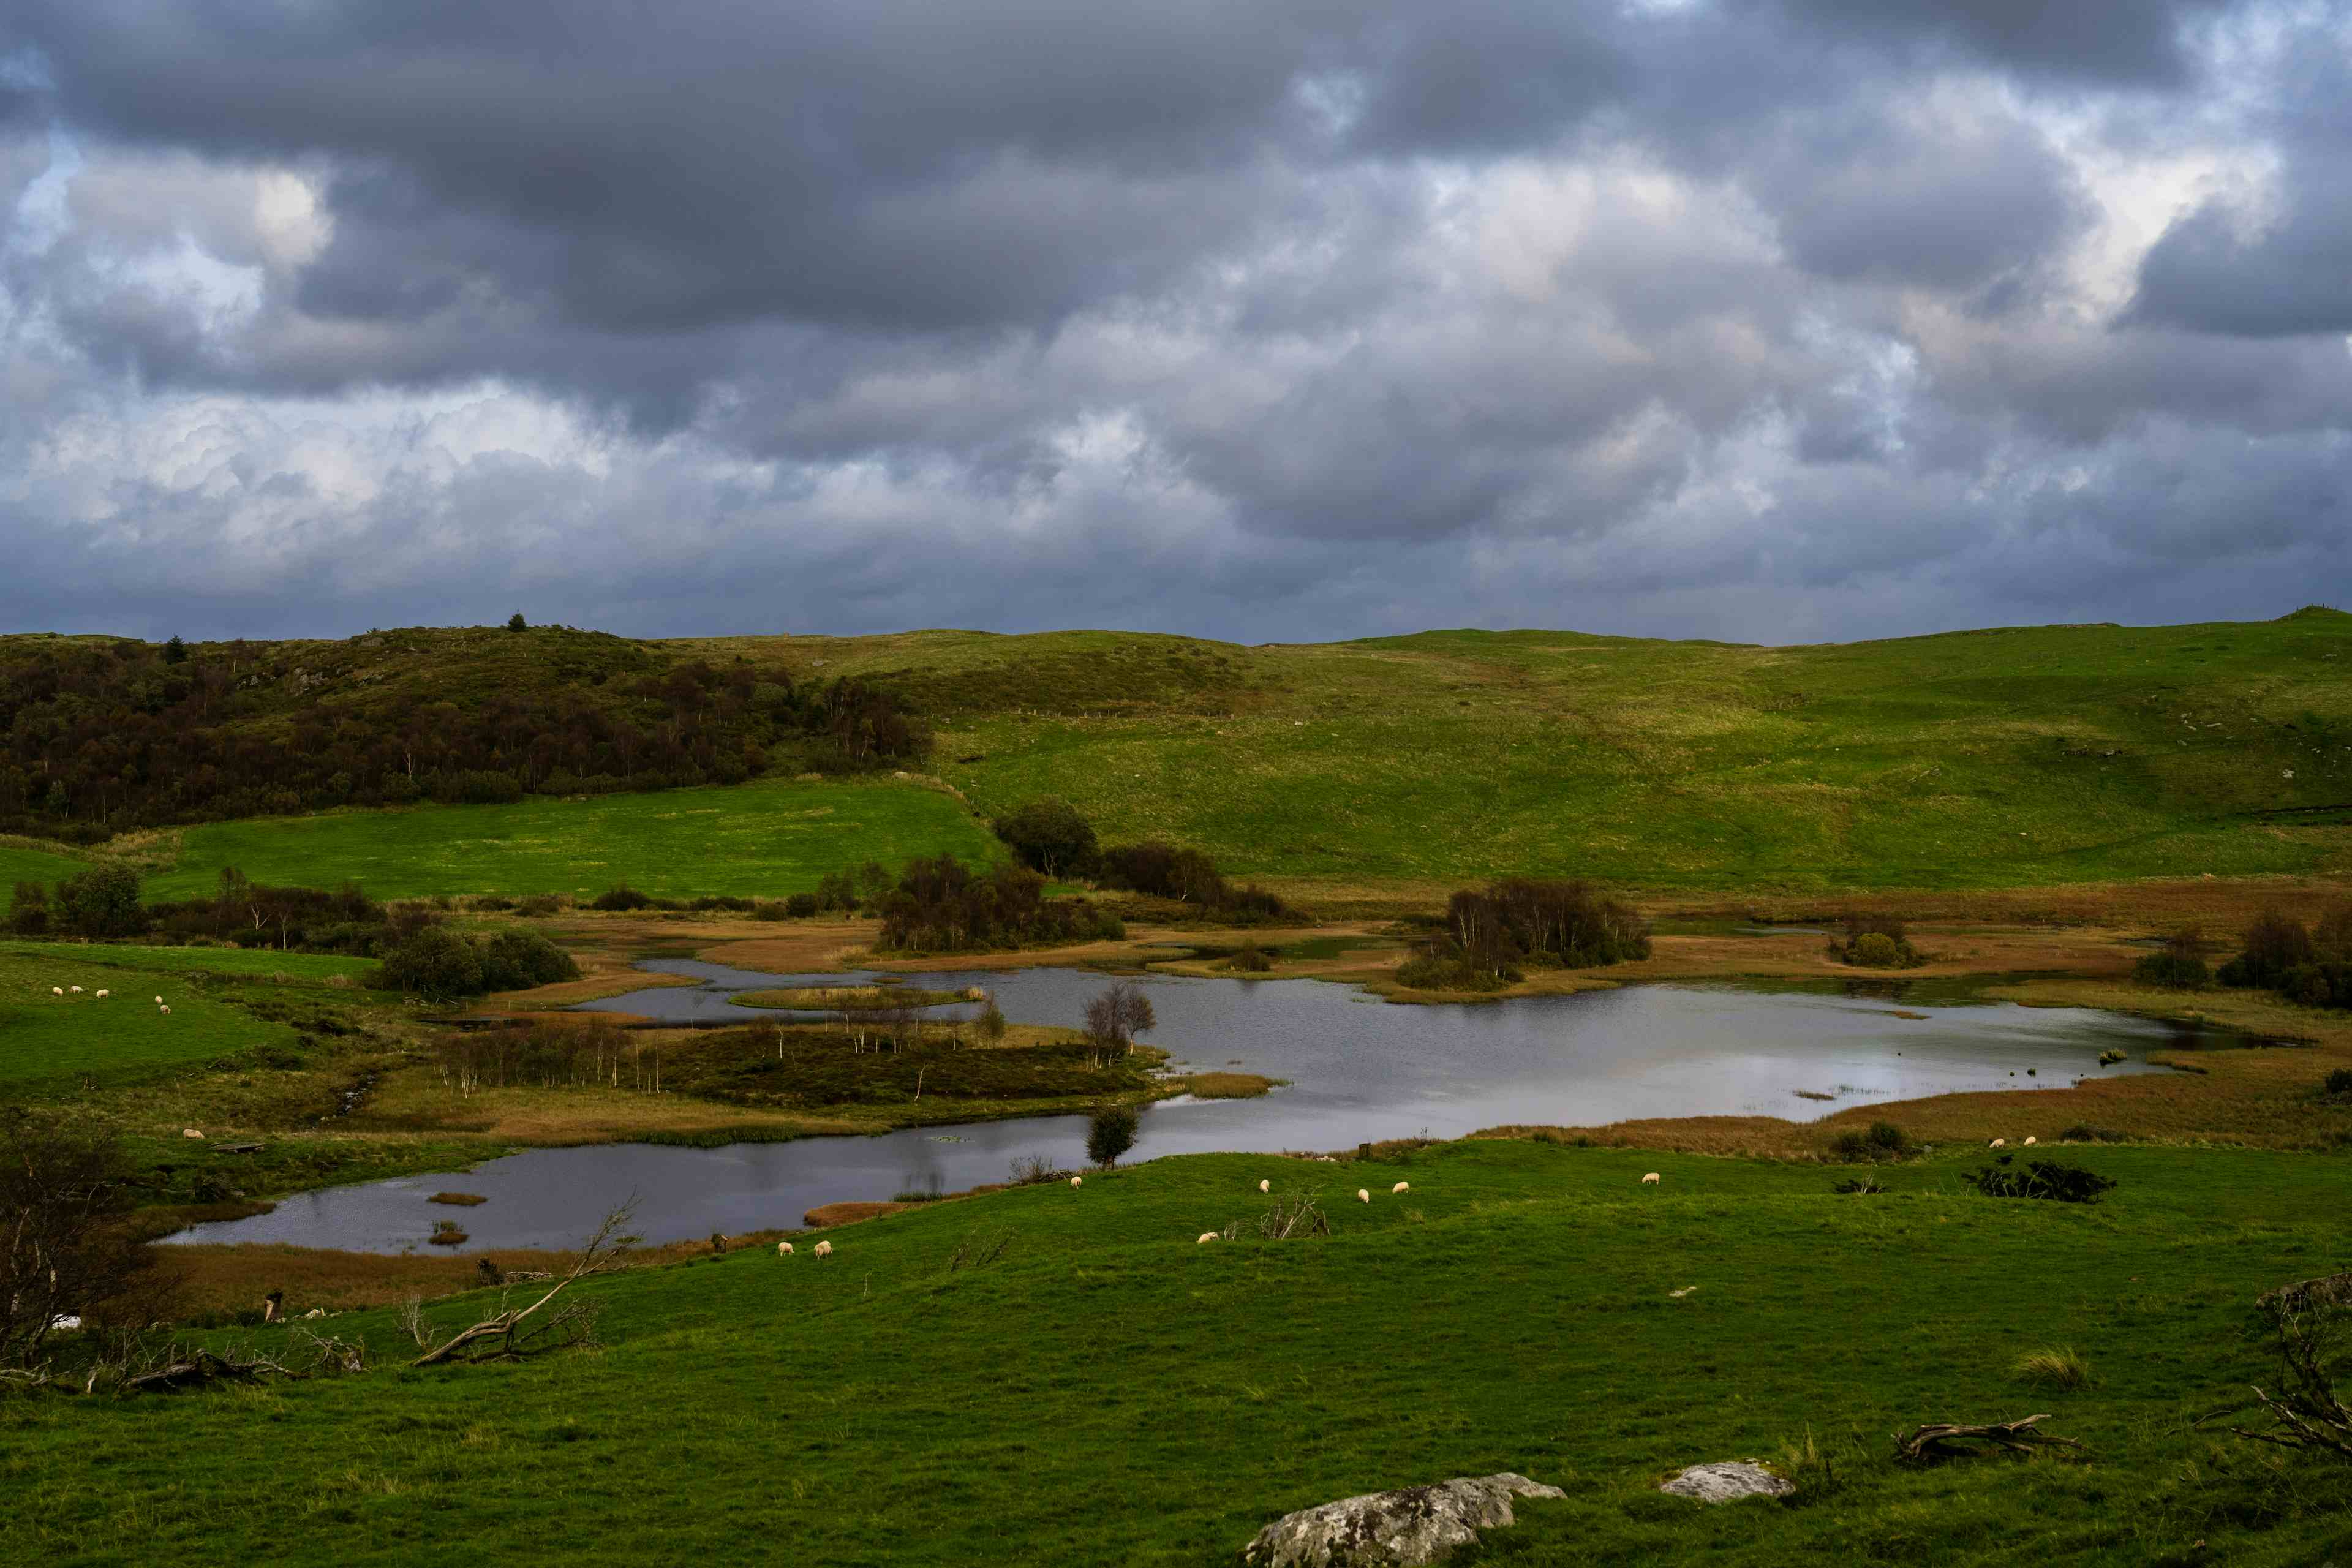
x=2013, y=757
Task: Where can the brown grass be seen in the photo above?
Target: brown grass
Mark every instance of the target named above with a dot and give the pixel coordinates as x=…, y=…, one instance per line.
x=228, y=1278
x=466, y=1200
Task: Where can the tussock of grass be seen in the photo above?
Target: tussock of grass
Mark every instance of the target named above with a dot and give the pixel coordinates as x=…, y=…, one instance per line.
x=2063, y=1368
x=466, y=1200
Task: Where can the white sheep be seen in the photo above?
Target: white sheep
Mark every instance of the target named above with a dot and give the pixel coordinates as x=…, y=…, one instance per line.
x=1402, y=1187
x=165, y=1011
x=1650, y=1179
x=1997, y=1143
x=1077, y=1181
x=1266, y=1187
x=159, y=1000
x=2030, y=1141
x=102, y=996
x=784, y=1250
x=75, y=989
x=824, y=1249
x=57, y=990
x=1207, y=1237
x=190, y=1132
x=1363, y=1196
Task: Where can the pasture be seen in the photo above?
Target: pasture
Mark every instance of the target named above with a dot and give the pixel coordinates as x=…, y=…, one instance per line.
x=1109, y=1392
x=47, y=1038
x=767, y=838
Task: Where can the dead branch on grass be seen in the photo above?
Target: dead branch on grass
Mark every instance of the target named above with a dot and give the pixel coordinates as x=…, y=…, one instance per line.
x=2307, y=1412
x=2020, y=1437
x=1294, y=1217
x=503, y=1336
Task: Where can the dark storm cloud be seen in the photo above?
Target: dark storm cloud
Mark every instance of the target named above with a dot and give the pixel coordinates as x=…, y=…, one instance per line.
x=1787, y=318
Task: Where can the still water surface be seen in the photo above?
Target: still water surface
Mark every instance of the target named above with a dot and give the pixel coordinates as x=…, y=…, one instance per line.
x=1357, y=1070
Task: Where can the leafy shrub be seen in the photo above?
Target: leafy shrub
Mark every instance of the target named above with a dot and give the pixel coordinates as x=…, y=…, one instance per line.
x=2174, y=972
x=1434, y=966
x=2340, y=1082
x=1110, y=1132
x=621, y=897
x=1050, y=836
x=2047, y=1179
x=440, y=965
x=1250, y=960
x=2275, y=944
x=941, y=905
x=1874, y=950
x=100, y=902
x=802, y=906
x=28, y=915
x=518, y=959
x=1883, y=1140
x=1188, y=877
x=2084, y=1133
x=540, y=905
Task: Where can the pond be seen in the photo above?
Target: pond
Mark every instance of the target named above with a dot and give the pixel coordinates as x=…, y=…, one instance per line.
x=1359, y=1070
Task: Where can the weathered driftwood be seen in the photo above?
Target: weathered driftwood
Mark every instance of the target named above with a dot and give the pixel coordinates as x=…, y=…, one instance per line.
x=2019, y=1436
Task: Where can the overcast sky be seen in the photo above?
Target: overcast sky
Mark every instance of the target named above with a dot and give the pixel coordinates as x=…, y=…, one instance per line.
x=1310, y=319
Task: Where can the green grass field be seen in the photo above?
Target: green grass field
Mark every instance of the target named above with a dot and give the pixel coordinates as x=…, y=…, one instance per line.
x=773, y=837
x=2017, y=757
x=1111, y=1392
x=21, y=862
x=48, y=1039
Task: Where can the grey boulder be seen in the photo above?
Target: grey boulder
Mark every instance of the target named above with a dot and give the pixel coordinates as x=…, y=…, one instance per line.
x=1410, y=1525
x=1725, y=1481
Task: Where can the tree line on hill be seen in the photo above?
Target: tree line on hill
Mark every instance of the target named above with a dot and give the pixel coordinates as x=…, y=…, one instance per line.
x=97, y=738
x=419, y=953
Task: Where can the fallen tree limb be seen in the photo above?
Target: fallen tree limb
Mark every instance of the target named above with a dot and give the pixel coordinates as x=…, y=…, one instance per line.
x=504, y=1333
x=2019, y=1436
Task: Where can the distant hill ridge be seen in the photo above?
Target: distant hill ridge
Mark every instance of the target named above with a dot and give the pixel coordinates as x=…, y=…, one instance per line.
x=2003, y=755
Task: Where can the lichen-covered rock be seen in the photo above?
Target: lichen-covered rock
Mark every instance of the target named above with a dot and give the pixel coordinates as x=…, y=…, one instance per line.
x=1727, y=1481
x=1410, y=1525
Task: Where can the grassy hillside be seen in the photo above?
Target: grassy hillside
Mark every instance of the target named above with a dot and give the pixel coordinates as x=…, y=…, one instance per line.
x=24, y=861
x=2033, y=755
x=2026, y=756
x=1111, y=1392
x=772, y=837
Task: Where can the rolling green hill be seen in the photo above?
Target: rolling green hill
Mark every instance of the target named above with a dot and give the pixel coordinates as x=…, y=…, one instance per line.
x=2010, y=757
x=1109, y=1392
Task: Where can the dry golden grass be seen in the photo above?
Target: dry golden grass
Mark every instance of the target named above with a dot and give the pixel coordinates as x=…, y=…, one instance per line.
x=228, y=1278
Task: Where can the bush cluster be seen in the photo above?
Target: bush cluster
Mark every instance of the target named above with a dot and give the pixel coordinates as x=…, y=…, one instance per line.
x=941, y=905
x=1883, y=1140
x=1876, y=941
x=2309, y=966
x=2051, y=1180
x=441, y=966
x=1487, y=935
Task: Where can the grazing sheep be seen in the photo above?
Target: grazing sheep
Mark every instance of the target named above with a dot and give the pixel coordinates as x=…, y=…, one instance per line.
x=2029, y=1143
x=1207, y=1237
x=159, y=1000
x=1997, y=1143
x=784, y=1250
x=824, y=1249
x=1650, y=1180
x=1402, y=1187
x=102, y=995
x=190, y=1132
x=1685, y=1291
x=75, y=989
x=165, y=1011
x=1363, y=1196
x=57, y=990
x=1077, y=1181
x=1266, y=1187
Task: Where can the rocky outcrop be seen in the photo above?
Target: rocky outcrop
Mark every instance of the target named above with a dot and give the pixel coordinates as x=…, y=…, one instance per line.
x=1410, y=1525
x=1728, y=1480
